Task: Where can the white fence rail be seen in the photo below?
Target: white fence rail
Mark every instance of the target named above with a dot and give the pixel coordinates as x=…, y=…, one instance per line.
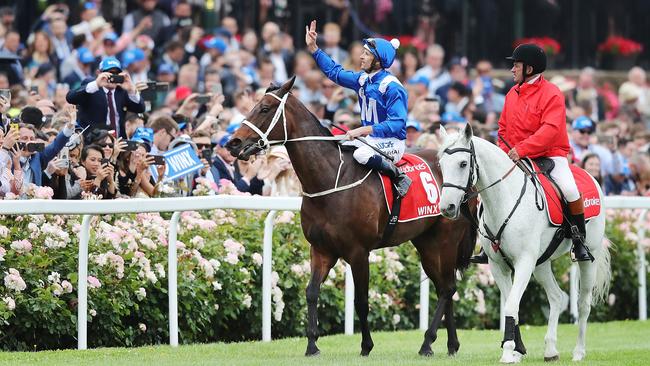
x=177, y=205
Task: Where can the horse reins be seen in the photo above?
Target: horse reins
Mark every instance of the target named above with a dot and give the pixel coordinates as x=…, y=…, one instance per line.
x=469, y=194
x=264, y=143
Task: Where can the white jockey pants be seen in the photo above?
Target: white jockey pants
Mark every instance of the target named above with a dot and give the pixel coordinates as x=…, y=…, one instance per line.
x=561, y=173
x=390, y=146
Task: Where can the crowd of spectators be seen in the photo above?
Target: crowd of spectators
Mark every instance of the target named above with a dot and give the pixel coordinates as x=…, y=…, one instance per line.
x=88, y=106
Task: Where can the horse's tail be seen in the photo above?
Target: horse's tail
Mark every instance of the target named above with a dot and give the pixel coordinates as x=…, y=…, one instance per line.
x=603, y=272
x=466, y=247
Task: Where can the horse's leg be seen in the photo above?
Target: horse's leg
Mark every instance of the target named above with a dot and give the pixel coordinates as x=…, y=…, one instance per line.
x=431, y=263
x=452, y=337
x=523, y=270
x=321, y=263
x=360, y=273
x=557, y=300
x=587, y=280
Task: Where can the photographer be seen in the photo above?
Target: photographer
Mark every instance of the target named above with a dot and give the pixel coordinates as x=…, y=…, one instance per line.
x=34, y=157
x=103, y=102
x=99, y=176
x=11, y=176
x=134, y=176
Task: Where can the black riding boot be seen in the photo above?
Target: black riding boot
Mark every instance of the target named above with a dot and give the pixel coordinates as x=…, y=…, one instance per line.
x=578, y=233
x=480, y=258
x=399, y=179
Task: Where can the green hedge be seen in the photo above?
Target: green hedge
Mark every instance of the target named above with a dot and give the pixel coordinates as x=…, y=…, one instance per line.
x=219, y=281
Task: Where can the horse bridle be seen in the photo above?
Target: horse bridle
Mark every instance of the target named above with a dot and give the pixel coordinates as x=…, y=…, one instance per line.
x=264, y=143
x=471, y=179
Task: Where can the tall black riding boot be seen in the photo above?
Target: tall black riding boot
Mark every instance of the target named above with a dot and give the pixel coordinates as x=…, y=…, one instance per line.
x=578, y=231
x=399, y=179
x=480, y=258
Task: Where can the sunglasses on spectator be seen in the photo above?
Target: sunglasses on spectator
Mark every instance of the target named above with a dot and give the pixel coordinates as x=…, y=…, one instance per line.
x=586, y=131
x=203, y=146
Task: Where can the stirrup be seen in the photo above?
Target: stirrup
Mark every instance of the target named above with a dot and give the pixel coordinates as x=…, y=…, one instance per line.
x=402, y=185
x=579, y=250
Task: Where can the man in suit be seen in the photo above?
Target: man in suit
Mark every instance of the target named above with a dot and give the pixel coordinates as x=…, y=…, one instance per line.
x=103, y=103
x=33, y=163
x=223, y=167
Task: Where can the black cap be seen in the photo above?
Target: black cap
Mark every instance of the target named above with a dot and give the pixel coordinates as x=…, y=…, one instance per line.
x=531, y=55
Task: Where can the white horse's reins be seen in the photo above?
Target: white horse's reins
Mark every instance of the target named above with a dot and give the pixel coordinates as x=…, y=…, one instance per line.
x=264, y=143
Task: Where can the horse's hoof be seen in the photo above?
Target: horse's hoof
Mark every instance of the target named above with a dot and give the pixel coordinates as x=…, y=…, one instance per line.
x=452, y=350
x=311, y=352
x=578, y=355
x=552, y=358
x=426, y=352
x=365, y=353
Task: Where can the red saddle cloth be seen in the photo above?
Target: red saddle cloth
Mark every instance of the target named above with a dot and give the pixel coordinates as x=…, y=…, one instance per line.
x=423, y=197
x=586, y=186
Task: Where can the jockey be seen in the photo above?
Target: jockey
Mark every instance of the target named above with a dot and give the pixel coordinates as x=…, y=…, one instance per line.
x=382, y=99
x=533, y=123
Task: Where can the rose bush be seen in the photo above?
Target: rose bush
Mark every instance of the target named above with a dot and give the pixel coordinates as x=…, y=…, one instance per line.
x=219, y=281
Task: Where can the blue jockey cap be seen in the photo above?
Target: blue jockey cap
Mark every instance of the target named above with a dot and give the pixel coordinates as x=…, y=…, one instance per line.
x=110, y=63
x=383, y=50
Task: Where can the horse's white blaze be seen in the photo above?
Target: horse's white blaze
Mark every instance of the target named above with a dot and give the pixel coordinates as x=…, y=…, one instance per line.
x=524, y=239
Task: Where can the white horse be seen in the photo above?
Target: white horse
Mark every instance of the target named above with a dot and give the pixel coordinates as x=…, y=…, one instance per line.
x=466, y=162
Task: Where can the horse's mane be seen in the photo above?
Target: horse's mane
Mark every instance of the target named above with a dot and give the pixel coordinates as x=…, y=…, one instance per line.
x=273, y=87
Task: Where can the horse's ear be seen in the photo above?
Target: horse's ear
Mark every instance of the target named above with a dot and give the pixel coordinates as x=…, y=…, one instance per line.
x=468, y=131
x=286, y=87
x=443, y=132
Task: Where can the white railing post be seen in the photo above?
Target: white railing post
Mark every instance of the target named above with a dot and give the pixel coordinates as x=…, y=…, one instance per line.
x=349, y=300
x=82, y=284
x=172, y=277
x=266, y=276
x=424, y=300
x=643, y=306
x=573, y=292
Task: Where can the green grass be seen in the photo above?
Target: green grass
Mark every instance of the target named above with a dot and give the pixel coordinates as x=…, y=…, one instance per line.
x=615, y=343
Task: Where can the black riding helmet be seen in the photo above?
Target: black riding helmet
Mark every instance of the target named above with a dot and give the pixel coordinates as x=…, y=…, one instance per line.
x=530, y=55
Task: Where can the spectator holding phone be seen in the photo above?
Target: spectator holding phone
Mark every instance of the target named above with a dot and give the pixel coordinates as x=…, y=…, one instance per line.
x=11, y=176
x=134, y=174
x=99, y=173
x=34, y=157
x=103, y=102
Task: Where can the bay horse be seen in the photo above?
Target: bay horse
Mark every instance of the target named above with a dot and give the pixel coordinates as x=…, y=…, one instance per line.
x=469, y=162
x=349, y=223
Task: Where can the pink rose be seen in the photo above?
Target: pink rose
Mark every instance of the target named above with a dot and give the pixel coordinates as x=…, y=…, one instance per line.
x=93, y=282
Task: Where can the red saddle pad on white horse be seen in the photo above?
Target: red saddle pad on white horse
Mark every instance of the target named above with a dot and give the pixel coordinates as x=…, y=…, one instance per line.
x=423, y=197
x=586, y=186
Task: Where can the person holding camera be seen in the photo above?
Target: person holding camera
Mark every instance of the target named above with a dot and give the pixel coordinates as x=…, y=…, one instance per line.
x=11, y=176
x=99, y=173
x=134, y=174
x=34, y=155
x=103, y=102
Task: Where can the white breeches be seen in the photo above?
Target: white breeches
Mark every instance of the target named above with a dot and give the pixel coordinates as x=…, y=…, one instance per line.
x=390, y=146
x=561, y=173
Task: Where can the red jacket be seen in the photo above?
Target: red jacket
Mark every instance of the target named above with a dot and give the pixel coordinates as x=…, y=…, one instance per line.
x=533, y=120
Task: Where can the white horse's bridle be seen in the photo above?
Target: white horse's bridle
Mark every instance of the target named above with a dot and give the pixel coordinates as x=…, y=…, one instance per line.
x=264, y=144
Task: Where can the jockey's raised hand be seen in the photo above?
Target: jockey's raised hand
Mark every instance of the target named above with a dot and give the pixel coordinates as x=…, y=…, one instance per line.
x=310, y=36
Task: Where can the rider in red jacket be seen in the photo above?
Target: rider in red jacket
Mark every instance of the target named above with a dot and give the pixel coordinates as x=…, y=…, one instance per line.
x=533, y=123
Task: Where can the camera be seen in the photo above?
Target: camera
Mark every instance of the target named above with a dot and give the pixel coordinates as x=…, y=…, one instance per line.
x=207, y=155
x=153, y=88
x=6, y=93
x=116, y=79
x=157, y=159
x=131, y=145
x=202, y=99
